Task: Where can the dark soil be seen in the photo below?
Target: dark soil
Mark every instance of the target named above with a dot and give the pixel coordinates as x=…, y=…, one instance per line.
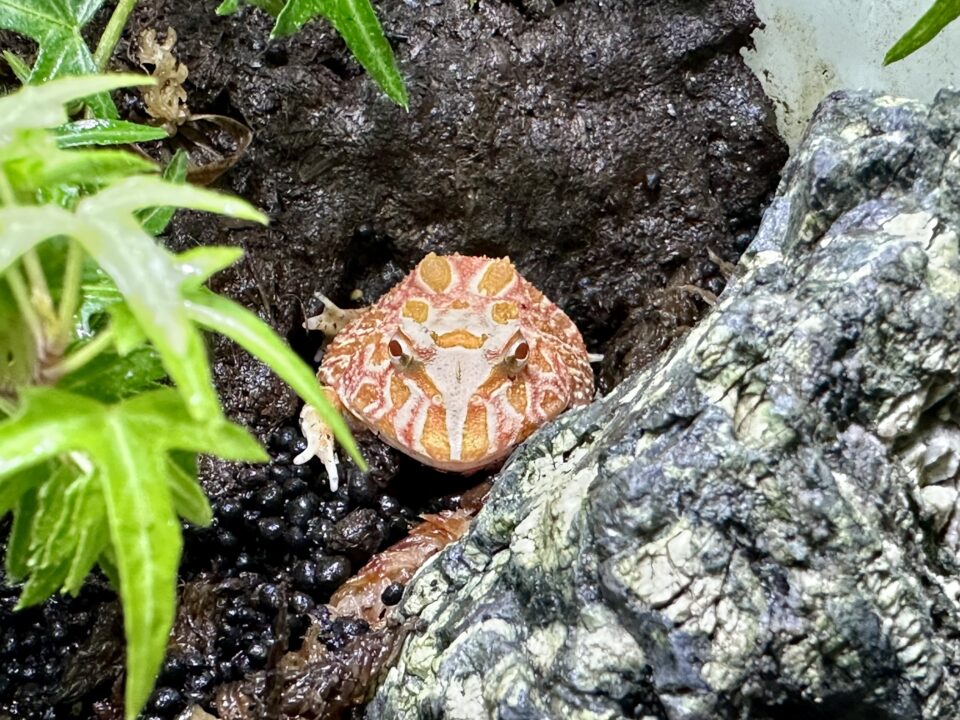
x=617, y=152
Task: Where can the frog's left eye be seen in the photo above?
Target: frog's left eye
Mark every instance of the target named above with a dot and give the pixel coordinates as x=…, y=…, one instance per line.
x=399, y=352
x=516, y=356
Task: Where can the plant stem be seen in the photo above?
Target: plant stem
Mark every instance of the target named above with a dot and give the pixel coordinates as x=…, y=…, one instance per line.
x=7, y=407
x=111, y=34
x=39, y=290
x=80, y=357
x=19, y=289
x=6, y=192
x=70, y=294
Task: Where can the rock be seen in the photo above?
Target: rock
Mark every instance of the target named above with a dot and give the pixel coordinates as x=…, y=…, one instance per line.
x=739, y=530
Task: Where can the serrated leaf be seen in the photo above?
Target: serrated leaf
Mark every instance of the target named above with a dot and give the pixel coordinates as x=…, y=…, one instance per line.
x=357, y=23
x=42, y=106
x=105, y=132
x=18, y=542
x=50, y=547
x=940, y=14
x=155, y=220
x=129, y=445
x=56, y=27
x=90, y=534
x=227, y=318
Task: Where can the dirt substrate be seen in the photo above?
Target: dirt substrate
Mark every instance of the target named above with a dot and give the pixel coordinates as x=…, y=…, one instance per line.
x=620, y=153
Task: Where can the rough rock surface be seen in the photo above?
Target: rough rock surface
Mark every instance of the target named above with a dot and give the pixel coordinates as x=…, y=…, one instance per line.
x=762, y=524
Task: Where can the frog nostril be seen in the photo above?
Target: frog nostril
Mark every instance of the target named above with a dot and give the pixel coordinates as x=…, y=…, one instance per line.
x=396, y=350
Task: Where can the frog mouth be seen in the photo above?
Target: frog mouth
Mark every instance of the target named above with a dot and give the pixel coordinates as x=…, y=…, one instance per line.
x=459, y=338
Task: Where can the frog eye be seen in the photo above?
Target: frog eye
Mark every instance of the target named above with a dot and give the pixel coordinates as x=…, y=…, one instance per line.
x=516, y=356
x=399, y=352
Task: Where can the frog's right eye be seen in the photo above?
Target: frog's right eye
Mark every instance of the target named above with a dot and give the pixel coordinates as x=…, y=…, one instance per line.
x=399, y=352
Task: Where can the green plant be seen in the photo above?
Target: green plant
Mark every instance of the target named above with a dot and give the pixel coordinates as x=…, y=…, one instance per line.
x=356, y=22
x=97, y=453
x=56, y=26
x=940, y=14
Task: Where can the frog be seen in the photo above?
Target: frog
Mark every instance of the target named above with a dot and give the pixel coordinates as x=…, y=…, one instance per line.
x=455, y=366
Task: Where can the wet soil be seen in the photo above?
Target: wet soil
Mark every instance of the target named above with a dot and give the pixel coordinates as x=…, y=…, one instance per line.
x=619, y=152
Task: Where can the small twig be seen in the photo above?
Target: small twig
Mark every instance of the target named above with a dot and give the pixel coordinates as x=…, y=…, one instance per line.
x=111, y=34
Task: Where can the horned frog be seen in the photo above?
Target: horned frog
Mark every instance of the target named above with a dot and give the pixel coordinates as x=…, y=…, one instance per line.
x=454, y=366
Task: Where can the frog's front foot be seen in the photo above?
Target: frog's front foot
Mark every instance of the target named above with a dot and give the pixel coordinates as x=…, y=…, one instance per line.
x=319, y=444
x=332, y=319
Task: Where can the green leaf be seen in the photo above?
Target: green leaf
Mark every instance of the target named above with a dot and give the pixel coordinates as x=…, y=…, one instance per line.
x=18, y=542
x=18, y=352
x=111, y=377
x=51, y=539
x=90, y=534
x=129, y=445
x=19, y=67
x=36, y=169
x=99, y=166
x=147, y=277
x=227, y=318
x=16, y=485
x=137, y=193
x=21, y=228
x=127, y=333
x=940, y=14
x=188, y=497
x=199, y=264
x=357, y=23
x=144, y=273
x=105, y=132
x=56, y=27
x=155, y=220
x=43, y=106
x=229, y=7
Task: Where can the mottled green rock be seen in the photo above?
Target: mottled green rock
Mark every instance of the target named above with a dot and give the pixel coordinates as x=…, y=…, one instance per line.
x=763, y=523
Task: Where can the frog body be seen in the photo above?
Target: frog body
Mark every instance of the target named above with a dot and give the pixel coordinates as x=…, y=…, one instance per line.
x=455, y=365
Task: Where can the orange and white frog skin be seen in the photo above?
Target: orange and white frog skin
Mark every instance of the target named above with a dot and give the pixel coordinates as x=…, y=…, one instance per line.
x=455, y=366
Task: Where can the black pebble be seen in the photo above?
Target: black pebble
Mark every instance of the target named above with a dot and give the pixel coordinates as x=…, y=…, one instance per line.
x=392, y=594
x=332, y=572
x=270, y=498
x=165, y=700
x=271, y=528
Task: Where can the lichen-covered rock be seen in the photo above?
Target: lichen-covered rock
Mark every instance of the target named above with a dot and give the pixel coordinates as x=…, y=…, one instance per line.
x=763, y=524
